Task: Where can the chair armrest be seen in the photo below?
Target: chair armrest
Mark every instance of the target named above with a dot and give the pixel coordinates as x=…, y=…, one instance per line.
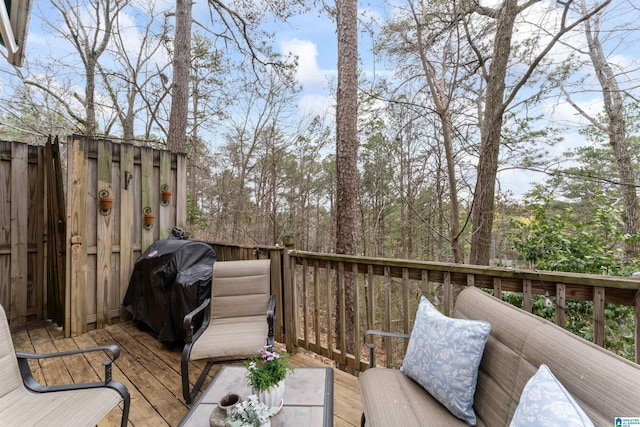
x=271, y=319
x=188, y=320
x=372, y=345
x=32, y=384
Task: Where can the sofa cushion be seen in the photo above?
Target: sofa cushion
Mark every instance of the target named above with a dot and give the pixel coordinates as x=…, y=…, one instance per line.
x=390, y=398
x=545, y=402
x=443, y=355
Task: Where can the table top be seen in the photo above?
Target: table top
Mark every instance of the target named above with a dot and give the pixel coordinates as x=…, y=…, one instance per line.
x=308, y=397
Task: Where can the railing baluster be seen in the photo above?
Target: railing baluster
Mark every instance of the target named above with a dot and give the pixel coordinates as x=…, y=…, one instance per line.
x=371, y=301
x=526, y=295
x=497, y=287
x=636, y=318
x=356, y=339
x=598, y=316
x=561, y=301
x=405, y=304
x=328, y=271
x=316, y=305
x=305, y=307
x=387, y=315
x=447, y=293
x=342, y=314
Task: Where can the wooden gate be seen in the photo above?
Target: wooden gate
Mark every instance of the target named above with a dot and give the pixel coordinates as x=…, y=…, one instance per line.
x=103, y=243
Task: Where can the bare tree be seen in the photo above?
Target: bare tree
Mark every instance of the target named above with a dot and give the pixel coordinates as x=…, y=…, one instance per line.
x=497, y=100
x=90, y=39
x=614, y=126
x=139, y=70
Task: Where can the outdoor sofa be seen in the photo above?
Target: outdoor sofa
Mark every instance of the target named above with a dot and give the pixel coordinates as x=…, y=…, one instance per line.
x=605, y=386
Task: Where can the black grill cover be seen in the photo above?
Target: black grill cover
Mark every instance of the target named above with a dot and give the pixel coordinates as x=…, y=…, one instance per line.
x=170, y=279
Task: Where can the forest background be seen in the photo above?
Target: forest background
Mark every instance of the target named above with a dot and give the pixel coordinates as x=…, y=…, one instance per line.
x=487, y=132
x=261, y=121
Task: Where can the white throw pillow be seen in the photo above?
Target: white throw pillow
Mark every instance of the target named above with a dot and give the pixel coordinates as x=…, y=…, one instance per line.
x=545, y=402
x=443, y=356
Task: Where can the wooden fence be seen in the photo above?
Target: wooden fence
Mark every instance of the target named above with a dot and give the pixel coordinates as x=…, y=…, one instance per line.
x=97, y=247
x=22, y=231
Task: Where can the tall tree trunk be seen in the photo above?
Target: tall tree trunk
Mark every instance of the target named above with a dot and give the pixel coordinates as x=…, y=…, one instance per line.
x=490, y=130
x=347, y=151
x=177, y=135
x=616, y=129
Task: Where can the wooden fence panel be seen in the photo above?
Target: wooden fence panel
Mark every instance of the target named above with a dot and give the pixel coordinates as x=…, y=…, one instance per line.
x=110, y=241
x=87, y=286
x=19, y=234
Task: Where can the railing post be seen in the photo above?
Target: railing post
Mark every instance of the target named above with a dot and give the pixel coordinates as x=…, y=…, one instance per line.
x=290, y=323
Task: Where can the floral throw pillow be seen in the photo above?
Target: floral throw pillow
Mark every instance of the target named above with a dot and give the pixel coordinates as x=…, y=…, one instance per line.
x=443, y=356
x=545, y=402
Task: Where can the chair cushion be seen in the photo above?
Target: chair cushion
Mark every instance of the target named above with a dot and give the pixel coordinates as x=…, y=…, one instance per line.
x=61, y=408
x=443, y=356
x=545, y=402
x=234, y=336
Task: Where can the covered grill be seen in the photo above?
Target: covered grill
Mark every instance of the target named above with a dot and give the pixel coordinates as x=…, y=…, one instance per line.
x=170, y=279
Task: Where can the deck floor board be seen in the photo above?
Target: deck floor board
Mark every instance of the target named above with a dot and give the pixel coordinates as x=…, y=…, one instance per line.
x=151, y=372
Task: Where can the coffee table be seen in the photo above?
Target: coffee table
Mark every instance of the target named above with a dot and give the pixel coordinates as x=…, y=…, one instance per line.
x=308, y=397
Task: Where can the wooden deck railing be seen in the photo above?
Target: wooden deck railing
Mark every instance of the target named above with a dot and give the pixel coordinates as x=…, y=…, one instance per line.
x=388, y=291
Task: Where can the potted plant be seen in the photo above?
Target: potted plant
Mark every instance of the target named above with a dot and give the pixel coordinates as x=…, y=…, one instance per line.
x=266, y=373
x=250, y=413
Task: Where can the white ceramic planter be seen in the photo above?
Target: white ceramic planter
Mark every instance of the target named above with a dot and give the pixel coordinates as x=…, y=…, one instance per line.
x=273, y=396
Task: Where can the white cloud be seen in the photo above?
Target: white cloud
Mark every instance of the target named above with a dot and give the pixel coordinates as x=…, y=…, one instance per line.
x=309, y=74
x=317, y=104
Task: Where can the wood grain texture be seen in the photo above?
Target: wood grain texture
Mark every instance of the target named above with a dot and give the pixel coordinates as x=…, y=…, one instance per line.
x=19, y=234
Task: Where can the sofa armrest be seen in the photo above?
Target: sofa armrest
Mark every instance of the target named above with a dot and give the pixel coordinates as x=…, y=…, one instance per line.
x=372, y=345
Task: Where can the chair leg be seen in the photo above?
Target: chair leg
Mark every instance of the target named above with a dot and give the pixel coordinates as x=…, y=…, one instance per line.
x=362, y=420
x=184, y=371
x=125, y=411
x=186, y=393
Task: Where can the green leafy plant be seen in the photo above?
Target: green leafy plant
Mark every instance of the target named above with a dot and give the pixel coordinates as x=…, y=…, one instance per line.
x=557, y=238
x=268, y=368
x=249, y=413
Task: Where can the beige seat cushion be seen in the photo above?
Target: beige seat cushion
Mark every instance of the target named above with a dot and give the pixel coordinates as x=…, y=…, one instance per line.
x=22, y=407
x=390, y=398
x=234, y=336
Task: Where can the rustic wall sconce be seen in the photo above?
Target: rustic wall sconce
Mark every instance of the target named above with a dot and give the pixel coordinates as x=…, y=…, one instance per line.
x=166, y=195
x=105, y=202
x=149, y=218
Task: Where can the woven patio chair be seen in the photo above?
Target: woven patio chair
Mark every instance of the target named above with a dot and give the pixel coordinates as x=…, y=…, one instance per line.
x=25, y=402
x=238, y=319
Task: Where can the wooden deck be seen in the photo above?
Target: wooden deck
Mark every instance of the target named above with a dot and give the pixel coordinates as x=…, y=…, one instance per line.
x=150, y=371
